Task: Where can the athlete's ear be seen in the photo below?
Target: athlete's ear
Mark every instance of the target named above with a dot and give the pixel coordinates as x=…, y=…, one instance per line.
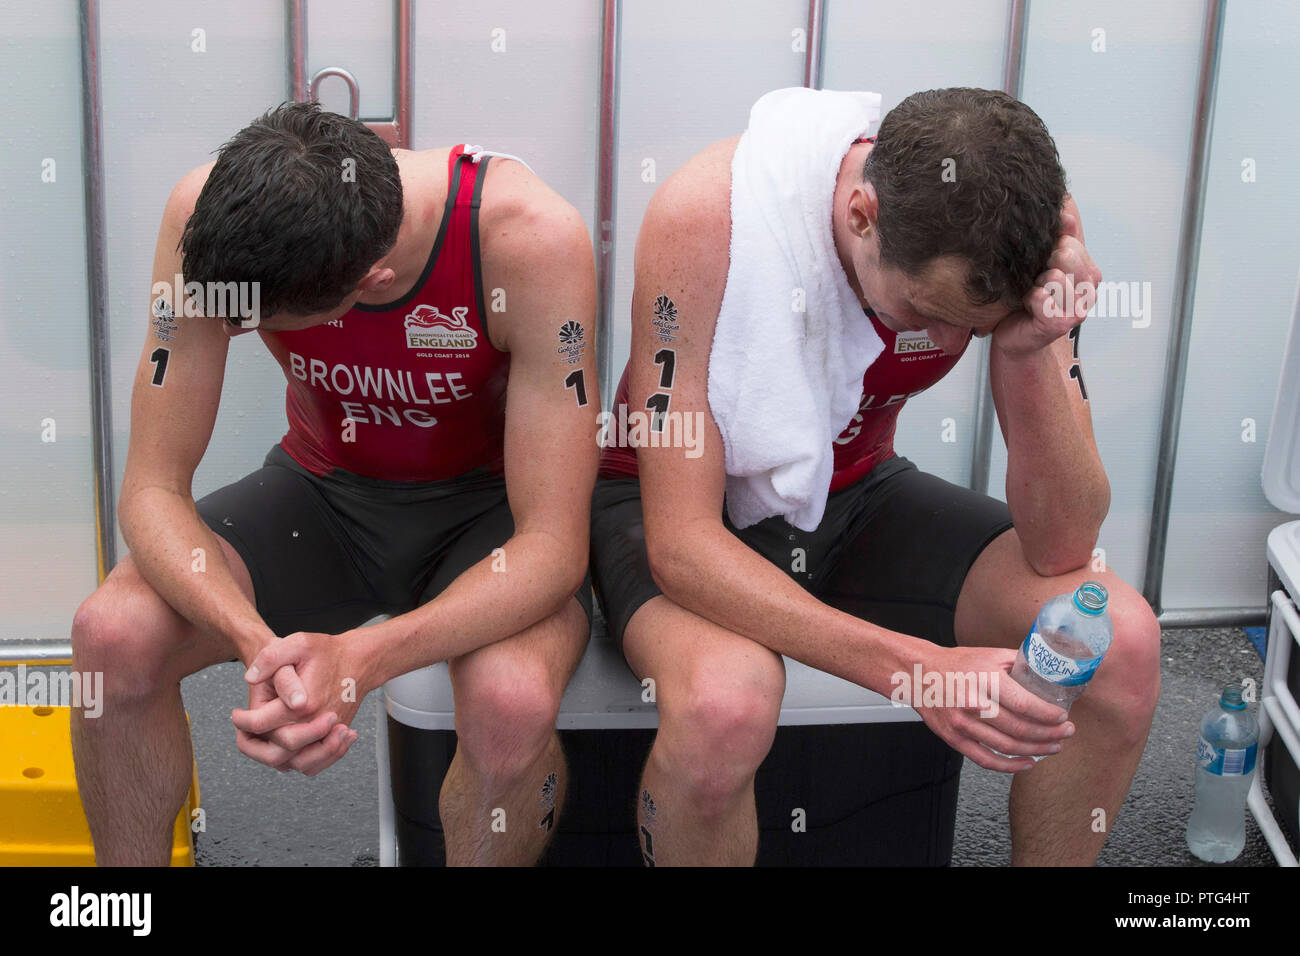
x=863, y=208
x=378, y=279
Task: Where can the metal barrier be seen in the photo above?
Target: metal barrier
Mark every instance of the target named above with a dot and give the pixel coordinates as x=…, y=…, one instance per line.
x=606, y=185
x=395, y=130
x=1180, y=338
x=1013, y=81
x=101, y=406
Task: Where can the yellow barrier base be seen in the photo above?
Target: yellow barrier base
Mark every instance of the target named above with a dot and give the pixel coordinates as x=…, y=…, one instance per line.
x=42, y=822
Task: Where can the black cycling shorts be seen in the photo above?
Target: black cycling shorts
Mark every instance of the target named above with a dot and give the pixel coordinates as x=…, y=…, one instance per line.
x=329, y=553
x=893, y=549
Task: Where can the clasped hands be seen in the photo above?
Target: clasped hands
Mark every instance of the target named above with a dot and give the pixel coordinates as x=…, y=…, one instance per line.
x=303, y=693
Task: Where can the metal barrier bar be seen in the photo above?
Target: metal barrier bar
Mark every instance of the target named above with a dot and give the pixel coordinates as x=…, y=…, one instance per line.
x=296, y=41
x=403, y=40
x=1013, y=70
x=394, y=130
x=1013, y=81
x=813, y=54
x=1268, y=827
x=101, y=408
x=35, y=653
x=1013, y=64
x=1180, y=337
x=1285, y=633
x=1213, y=617
x=606, y=196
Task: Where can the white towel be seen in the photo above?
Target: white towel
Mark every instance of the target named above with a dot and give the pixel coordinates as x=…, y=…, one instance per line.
x=783, y=383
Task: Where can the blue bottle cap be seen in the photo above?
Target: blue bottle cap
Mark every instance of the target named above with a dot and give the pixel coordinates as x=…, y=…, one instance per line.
x=1230, y=699
x=1090, y=598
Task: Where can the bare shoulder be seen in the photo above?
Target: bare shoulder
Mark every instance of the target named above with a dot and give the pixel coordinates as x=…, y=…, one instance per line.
x=687, y=225
x=699, y=180
x=185, y=194
x=180, y=206
x=519, y=212
x=683, y=248
x=534, y=244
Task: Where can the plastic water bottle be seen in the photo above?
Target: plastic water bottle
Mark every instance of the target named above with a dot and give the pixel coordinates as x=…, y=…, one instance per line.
x=1066, y=643
x=1225, y=767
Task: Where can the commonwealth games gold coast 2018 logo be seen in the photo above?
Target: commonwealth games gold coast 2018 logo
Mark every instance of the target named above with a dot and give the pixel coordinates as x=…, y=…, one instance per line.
x=427, y=328
x=913, y=342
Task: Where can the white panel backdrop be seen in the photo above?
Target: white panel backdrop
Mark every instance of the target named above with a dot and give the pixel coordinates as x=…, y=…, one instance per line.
x=690, y=73
x=167, y=108
x=522, y=78
x=47, y=531
x=1122, y=120
x=518, y=78
x=1250, y=255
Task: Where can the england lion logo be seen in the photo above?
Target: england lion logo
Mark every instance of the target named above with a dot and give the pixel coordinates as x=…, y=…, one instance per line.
x=428, y=328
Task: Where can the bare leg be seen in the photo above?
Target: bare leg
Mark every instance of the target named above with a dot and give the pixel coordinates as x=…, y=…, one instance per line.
x=719, y=697
x=134, y=762
x=501, y=797
x=1062, y=809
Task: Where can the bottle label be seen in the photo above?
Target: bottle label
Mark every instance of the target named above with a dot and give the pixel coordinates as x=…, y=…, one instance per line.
x=1225, y=762
x=1054, y=666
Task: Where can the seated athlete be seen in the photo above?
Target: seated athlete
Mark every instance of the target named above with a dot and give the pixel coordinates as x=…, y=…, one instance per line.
x=903, y=568
x=432, y=311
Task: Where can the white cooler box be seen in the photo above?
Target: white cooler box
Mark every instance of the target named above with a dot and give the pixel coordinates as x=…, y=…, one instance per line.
x=875, y=786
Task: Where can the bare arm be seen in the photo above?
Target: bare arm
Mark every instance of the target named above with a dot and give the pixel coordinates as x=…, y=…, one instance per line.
x=1056, y=486
x=173, y=407
x=682, y=253
x=536, y=248
x=542, y=257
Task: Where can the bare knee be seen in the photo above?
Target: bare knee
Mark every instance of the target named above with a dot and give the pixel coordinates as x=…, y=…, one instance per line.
x=505, y=720
x=125, y=631
x=718, y=729
x=1127, y=685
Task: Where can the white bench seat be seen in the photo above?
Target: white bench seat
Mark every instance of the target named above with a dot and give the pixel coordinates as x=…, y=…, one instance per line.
x=604, y=694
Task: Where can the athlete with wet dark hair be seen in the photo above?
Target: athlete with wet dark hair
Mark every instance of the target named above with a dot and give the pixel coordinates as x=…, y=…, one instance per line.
x=433, y=314
x=904, y=569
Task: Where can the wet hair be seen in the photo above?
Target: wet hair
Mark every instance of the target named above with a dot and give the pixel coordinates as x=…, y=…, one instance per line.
x=282, y=208
x=1001, y=210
